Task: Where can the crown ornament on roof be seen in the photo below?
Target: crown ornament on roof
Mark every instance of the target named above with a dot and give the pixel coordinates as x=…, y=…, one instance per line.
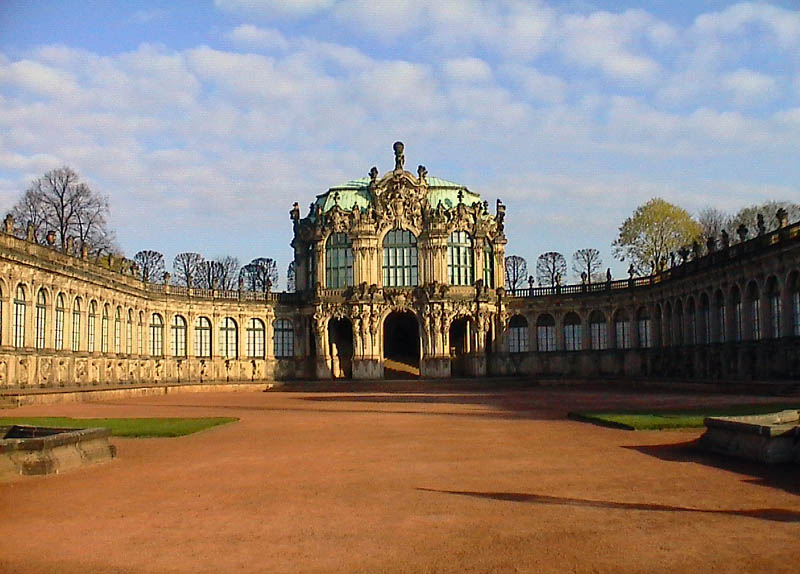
x=399, y=158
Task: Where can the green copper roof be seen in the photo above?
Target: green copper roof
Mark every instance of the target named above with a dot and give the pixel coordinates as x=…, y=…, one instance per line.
x=356, y=192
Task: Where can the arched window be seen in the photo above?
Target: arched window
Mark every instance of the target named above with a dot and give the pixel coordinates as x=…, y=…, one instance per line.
x=178, y=339
x=19, y=317
x=92, y=325
x=76, y=325
x=156, y=335
x=691, y=316
x=722, y=317
x=774, y=297
x=58, y=342
x=228, y=339
x=255, y=339
x=518, y=335
x=118, y=331
x=338, y=261
x=140, y=333
x=546, y=333
x=104, y=330
x=202, y=337
x=738, y=327
x=644, y=327
x=598, y=329
x=572, y=332
x=459, y=258
x=794, y=290
x=41, y=319
x=283, y=339
x=488, y=265
x=129, y=333
x=755, y=310
x=622, y=329
x=400, y=259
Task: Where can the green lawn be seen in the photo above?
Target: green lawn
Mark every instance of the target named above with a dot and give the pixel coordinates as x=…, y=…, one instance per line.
x=127, y=427
x=658, y=420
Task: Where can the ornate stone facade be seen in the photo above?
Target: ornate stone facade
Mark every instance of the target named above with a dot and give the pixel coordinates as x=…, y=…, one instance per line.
x=400, y=275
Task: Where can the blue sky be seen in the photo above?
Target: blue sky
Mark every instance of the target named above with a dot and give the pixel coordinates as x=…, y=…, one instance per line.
x=204, y=121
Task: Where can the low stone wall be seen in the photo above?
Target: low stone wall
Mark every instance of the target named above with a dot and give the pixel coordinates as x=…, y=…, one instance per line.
x=24, y=451
x=772, y=438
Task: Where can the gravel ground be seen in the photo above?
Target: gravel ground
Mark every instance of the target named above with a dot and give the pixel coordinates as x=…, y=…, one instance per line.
x=404, y=482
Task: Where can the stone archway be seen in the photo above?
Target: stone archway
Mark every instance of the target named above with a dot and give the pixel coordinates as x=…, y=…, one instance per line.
x=340, y=335
x=459, y=345
x=401, y=345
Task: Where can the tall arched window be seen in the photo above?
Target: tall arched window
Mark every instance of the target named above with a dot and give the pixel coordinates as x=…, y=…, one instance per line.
x=518, y=339
x=140, y=333
x=283, y=339
x=58, y=342
x=400, y=259
x=228, y=339
x=644, y=328
x=488, y=265
x=92, y=325
x=104, y=330
x=706, y=318
x=572, y=332
x=546, y=333
x=598, y=330
x=255, y=338
x=622, y=329
x=178, y=339
x=202, y=337
x=19, y=317
x=738, y=325
x=156, y=335
x=41, y=319
x=722, y=317
x=775, y=310
x=129, y=333
x=76, y=324
x=691, y=315
x=794, y=290
x=338, y=261
x=459, y=258
x=118, y=331
x=755, y=310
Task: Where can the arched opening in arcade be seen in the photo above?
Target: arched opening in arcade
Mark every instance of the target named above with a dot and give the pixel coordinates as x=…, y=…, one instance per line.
x=460, y=342
x=340, y=336
x=401, y=348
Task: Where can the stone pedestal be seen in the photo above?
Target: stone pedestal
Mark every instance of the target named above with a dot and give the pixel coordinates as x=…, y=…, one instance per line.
x=475, y=365
x=322, y=368
x=367, y=369
x=434, y=367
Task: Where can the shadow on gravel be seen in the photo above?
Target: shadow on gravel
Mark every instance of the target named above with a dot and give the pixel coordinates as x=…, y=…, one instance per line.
x=771, y=514
x=780, y=476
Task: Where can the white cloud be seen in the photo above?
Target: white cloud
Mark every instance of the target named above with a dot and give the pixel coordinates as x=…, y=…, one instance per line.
x=249, y=35
x=537, y=85
x=467, y=70
x=292, y=8
x=749, y=86
x=748, y=18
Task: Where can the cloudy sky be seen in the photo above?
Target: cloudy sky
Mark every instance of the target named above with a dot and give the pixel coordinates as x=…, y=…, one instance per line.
x=204, y=121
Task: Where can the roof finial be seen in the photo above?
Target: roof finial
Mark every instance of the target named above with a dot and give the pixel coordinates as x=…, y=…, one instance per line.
x=399, y=158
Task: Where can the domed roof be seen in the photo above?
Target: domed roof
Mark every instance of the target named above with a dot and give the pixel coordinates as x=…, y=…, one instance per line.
x=356, y=192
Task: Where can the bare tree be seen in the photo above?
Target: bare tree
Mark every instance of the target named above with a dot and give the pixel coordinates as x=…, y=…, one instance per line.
x=151, y=265
x=58, y=201
x=261, y=274
x=221, y=273
x=551, y=267
x=291, y=285
x=587, y=261
x=516, y=272
x=186, y=267
x=712, y=221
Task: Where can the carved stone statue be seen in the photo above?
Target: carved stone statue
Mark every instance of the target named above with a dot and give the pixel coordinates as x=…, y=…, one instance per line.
x=373, y=174
x=725, y=239
x=762, y=229
x=8, y=222
x=783, y=217
x=422, y=173
x=399, y=158
x=741, y=231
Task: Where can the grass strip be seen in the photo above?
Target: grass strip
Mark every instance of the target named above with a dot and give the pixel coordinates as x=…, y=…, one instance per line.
x=673, y=419
x=141, y=428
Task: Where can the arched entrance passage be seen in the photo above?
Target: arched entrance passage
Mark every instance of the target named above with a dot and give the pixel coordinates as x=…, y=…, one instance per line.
x=340, y=335
x=401, y=345
x=459, y=345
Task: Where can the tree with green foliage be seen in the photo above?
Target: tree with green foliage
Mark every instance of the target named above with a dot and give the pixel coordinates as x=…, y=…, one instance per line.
x=655, y=230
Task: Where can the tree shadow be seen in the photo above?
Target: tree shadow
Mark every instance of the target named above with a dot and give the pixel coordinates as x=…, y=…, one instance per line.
x=770, y=514
x=779, y=476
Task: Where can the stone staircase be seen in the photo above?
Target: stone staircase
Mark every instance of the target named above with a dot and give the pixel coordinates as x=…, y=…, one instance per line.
x=395, y=369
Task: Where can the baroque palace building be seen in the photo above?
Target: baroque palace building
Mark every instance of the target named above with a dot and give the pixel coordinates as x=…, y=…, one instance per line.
x=401, y=276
